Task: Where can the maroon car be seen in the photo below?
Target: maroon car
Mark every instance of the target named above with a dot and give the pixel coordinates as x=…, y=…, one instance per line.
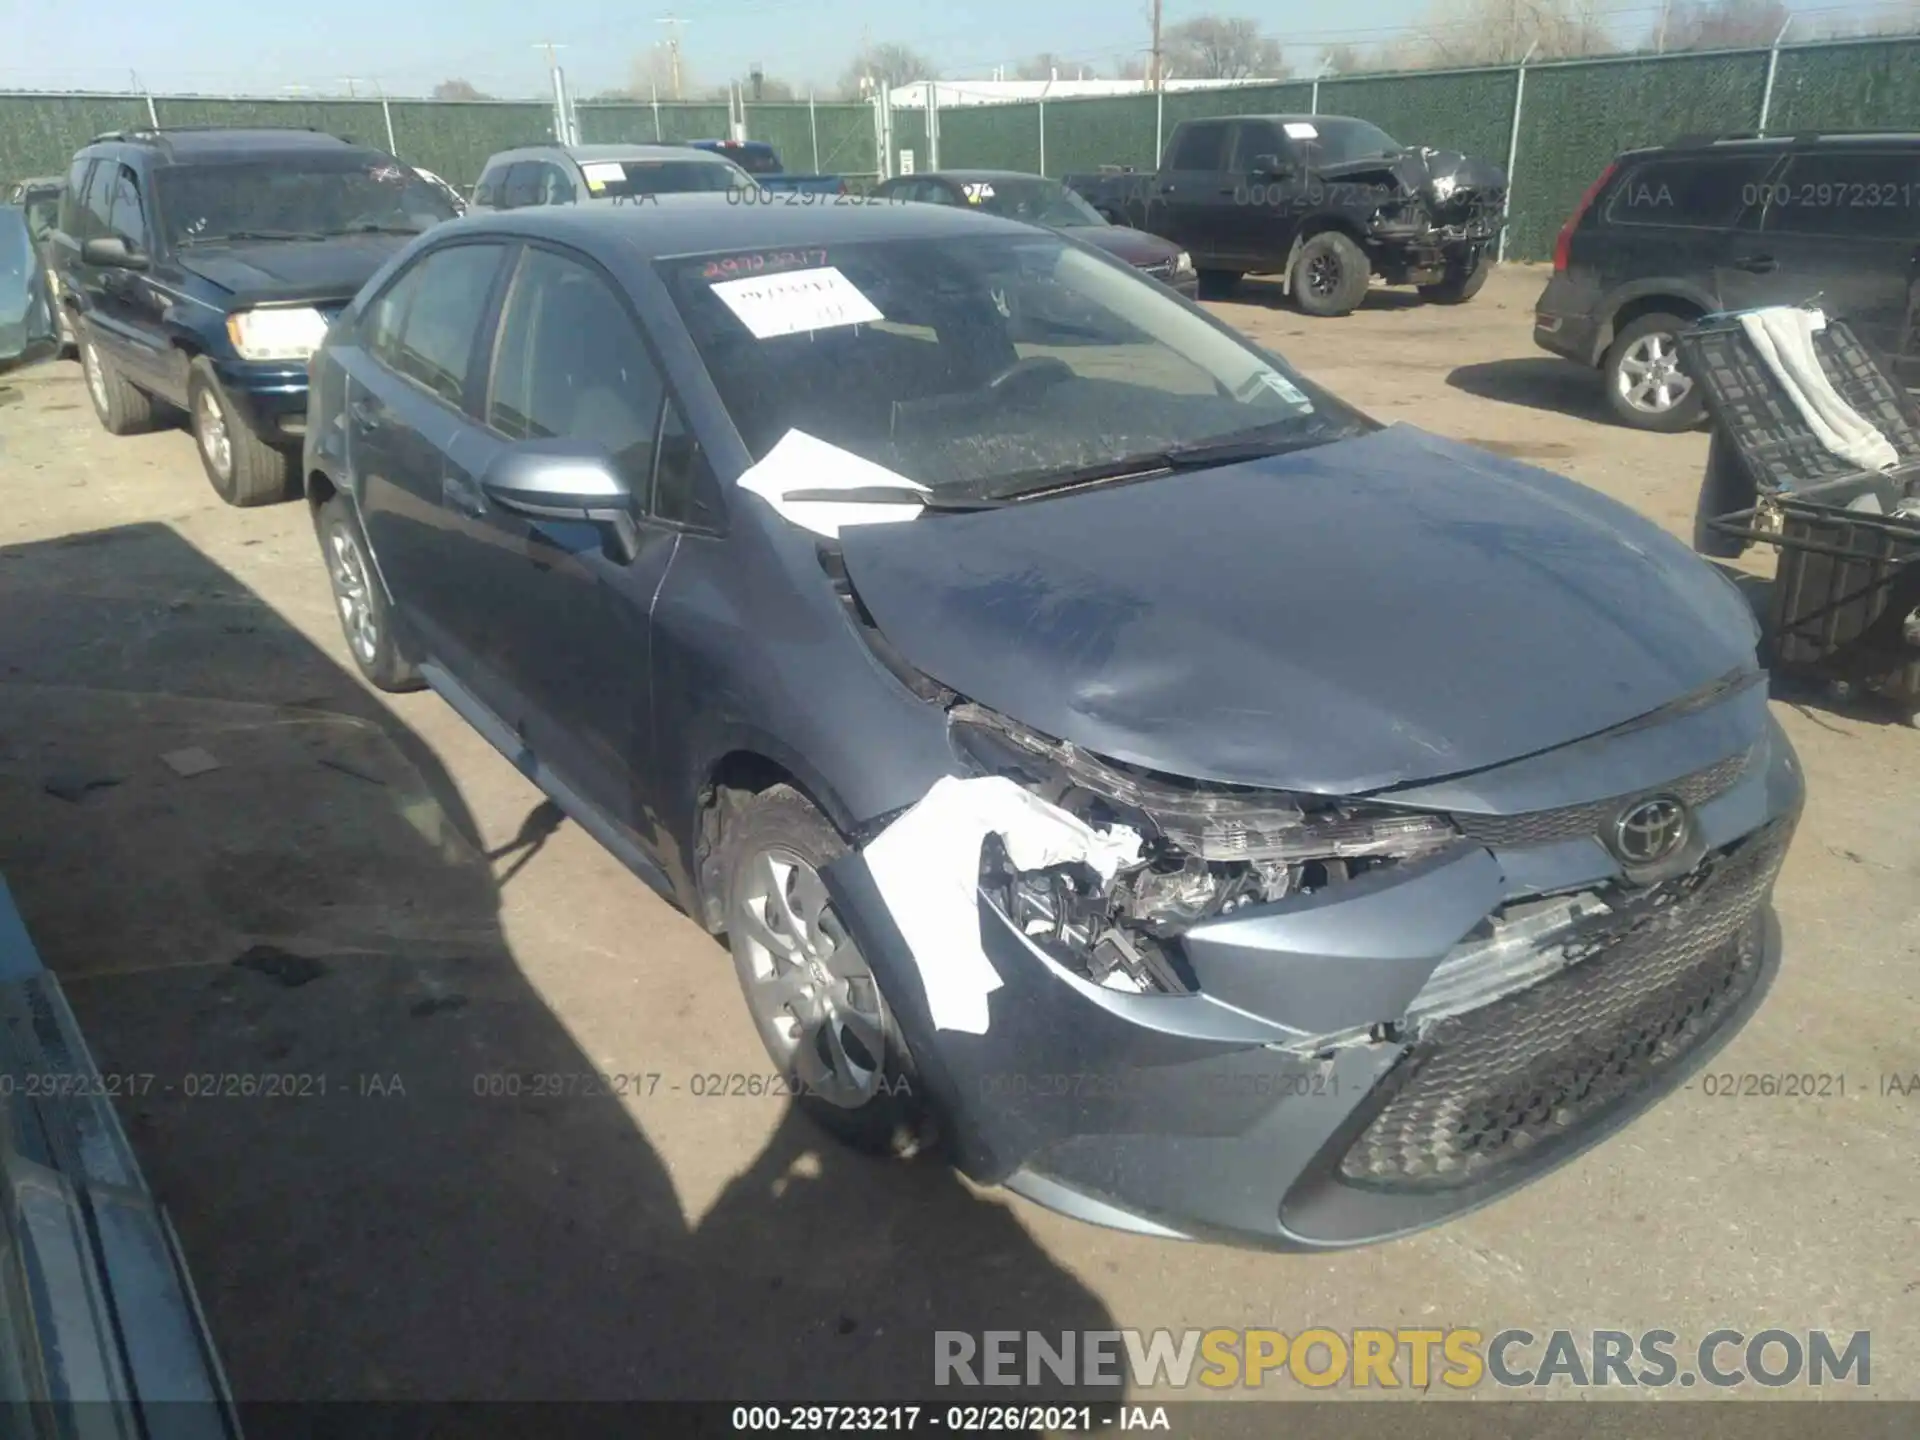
x=1040, y=201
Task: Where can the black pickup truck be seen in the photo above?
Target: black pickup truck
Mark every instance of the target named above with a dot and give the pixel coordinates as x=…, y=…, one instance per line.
x=1326, y=201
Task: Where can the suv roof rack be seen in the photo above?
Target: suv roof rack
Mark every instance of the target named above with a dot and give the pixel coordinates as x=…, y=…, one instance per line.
x=160, y=132
x=1701, y=141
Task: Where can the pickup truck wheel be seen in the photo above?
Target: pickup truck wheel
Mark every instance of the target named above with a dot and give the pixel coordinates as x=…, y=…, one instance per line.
x=1218, y=284
x=365, y=617
x=1330, y=275
x=811, y=993
x=242, y=468
x=1645, y=386
x=1463, y=281
x=123, y=409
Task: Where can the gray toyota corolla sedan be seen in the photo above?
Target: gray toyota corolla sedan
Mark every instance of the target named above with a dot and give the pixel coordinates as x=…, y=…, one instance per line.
x=1206, y=810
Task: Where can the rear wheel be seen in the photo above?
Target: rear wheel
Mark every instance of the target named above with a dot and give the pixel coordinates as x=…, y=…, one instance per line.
x=366, y=619
x=242, y=468
x=1464, y=279
x=123, y=409
x=811, y=993
x=1330, y=275
x=1645, y=386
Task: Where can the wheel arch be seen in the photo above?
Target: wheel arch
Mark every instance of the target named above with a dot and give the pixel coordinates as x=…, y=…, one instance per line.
x=1685, y=301
x=1315, y=225
x=746, y=766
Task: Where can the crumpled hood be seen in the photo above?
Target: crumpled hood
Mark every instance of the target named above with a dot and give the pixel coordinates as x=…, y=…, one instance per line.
x=264, y=270
x=1436, y=176
x=1388, y=609
x=1136, y=247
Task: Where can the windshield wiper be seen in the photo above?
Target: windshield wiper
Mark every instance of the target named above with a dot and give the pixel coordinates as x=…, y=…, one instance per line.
x=1203, y=456
x=374, y=229
x=252, y=235
x=894, y=495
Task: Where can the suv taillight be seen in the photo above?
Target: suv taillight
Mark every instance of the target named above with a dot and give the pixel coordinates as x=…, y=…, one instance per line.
x=1565, y=239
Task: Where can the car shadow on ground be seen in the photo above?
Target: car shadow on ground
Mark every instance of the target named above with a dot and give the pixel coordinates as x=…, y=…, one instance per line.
x=1270, y=291
x=263, y=897
x=1538, y=382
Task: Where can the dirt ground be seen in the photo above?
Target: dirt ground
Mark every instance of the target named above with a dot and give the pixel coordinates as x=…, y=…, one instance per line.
x=364, y=897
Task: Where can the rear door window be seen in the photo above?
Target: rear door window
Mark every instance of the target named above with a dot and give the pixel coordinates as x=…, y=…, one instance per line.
x=423, y=326
x=1201, y=147
x=1847, y=195
x=73, y=201
x=1692, y=192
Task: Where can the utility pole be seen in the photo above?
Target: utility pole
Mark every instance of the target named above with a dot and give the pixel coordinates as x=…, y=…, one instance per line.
x=1153, y=63
x=1660, y=33
x=562, y=107
x=674, y=23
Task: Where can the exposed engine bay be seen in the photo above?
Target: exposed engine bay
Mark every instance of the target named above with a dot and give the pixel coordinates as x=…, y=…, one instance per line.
x=1206, y=851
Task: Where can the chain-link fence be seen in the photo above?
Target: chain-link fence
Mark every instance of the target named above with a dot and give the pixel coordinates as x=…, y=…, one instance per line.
x=1556, y=124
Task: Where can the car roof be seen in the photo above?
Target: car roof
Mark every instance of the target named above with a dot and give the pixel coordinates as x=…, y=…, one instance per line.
x=1746, y=140
x=225, y=143
x=969, y=177
x=1285, y=119
x=703, y=223
x=42, y=182
x=639, y=150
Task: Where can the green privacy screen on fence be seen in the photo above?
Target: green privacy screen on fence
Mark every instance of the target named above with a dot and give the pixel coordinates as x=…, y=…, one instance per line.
x=1574, y=117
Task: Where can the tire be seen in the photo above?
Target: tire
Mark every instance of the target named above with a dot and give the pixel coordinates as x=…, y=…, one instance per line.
x=1463, y=281
x=366, y=619
x=123, y=409
x=242, y=468
x=1330, y=275
x=1218, y=284
x=835, y=1040
x=1641, y=361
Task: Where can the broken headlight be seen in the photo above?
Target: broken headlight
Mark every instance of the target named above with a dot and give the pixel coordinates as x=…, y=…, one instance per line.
x=1207, y=850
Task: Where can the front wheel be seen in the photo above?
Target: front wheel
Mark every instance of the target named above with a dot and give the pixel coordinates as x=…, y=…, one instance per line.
x=1330, y=275
x=242, y=468
x=812, y=995
x=1464, y=279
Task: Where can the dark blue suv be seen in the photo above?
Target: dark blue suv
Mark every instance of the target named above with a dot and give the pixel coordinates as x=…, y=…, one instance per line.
x=200, y=269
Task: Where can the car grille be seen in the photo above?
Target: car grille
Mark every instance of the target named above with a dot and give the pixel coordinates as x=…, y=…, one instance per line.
x=1477, y=1091
x=1574, y=822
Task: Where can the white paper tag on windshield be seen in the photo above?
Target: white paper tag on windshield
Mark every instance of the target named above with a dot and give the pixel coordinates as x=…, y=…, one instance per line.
x=803, y=462
x=1300, y=130
x=819, y=299
x=598, y=173
x=1284, y=388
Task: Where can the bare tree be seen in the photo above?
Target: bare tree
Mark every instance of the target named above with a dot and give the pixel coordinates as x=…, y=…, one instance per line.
x=1131, y=70
x=1213, y=47
x=651, y=75
x=459, y=90
x=1042, y=67
x=1723, y=24
x=1342, y=60
x=887, y=65
x=1501, y=32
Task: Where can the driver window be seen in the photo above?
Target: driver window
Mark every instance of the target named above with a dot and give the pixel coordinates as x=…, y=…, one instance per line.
x=129, y=218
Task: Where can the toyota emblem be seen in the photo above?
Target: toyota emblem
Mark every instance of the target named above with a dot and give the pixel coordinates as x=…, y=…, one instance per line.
x=1648, y=831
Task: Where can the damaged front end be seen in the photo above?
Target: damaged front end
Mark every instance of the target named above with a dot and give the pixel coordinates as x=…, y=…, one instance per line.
x=1217, y=1011
x=1428, y=207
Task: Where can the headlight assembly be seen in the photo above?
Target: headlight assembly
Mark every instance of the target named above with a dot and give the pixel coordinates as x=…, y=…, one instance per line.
x=277, y=332
x=1183, y=264
x=1209, y=849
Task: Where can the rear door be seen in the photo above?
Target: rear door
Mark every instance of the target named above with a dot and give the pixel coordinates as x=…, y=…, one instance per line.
x=1841, y=228
x=407, y=399
x=566, y=623
x=1672, y=222
x=1184, y=204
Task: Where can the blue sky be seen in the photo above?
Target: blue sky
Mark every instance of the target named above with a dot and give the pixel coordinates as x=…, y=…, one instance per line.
x=243, y=45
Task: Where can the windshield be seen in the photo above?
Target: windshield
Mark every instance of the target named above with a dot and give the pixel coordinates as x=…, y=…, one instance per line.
x=1339, y=141
x=300, y=197
x=1037, y=202
x=754, y=159
x=981, y=362
x=618, y=179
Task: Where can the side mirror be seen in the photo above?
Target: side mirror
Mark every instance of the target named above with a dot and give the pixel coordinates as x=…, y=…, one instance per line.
x=1271, y=165
x=28, y=331
x=110, y=252
x=565, y=480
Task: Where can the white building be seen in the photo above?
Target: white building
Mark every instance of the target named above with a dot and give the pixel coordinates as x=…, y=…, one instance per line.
x=947, y=93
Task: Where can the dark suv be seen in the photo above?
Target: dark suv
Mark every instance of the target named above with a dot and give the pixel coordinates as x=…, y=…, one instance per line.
x=1673, y=232
x=200, y=268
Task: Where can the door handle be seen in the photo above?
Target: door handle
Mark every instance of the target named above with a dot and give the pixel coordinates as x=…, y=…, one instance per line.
x=364, y=412
x=462, y=494
x=1164, y=190
x=1757, y=264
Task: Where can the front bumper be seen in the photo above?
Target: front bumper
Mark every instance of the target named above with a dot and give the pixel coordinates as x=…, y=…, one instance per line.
x=1292, y=1103
x=270, y=396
